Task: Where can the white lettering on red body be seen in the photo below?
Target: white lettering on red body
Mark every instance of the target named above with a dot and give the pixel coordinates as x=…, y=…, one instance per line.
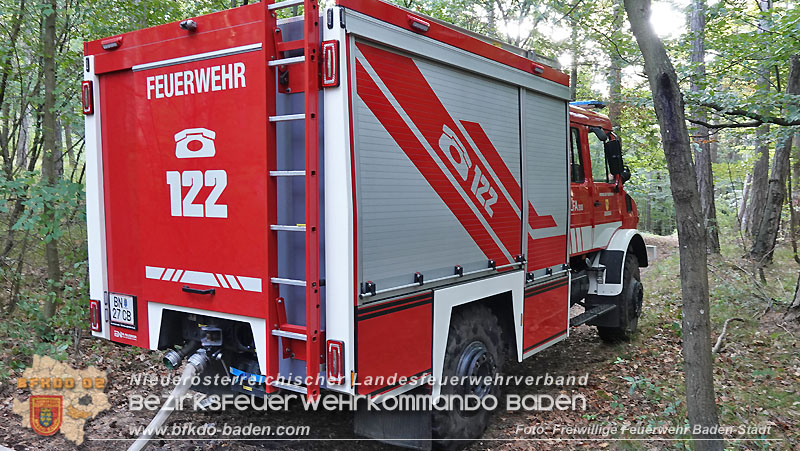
x=196, y=81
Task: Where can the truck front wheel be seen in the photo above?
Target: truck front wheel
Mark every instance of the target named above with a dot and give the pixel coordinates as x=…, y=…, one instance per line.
x=474, y=351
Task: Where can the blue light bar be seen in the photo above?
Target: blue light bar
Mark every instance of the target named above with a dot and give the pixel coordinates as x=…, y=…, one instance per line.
x=589, y=104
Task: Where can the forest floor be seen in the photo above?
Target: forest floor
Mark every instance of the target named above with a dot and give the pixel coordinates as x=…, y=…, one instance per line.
x=631, y=385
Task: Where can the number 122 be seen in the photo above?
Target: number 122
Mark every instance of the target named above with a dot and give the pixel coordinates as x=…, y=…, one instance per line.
x=217, y=178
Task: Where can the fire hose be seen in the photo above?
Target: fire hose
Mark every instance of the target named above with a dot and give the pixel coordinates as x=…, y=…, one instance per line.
x=195, y=365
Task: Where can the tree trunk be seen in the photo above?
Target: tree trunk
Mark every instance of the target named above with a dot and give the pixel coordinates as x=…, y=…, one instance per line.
x=69, y=144
x=767, y=232
x=21, y=156
x=669, y=108
x=714, y=145
x=795, y=183
x=573, y=71
x=758, y=189
x=59, y=153
x=50, y=150
x=16, y=277
x=702, y=155
x=796, y=164
x=615, y=72
x=759, y=183
x=793, y=312
x=743, y=206
x=615, y=93
x=5, y=67
x=648, y=208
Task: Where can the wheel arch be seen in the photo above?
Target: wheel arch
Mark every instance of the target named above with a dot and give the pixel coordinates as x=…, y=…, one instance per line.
x=494, y=292
x=502, y=307
x=613, y=258
x=637, y=246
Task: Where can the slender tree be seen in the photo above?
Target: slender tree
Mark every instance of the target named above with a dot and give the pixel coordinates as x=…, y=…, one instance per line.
x=669, y=108
x=702, y=141
x=759, y=184
x=767, y=231
x=615, y=70
x=573, y=69
x=50, y=149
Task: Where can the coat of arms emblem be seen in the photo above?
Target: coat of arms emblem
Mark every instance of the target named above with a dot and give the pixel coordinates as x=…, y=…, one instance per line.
x=45, y=414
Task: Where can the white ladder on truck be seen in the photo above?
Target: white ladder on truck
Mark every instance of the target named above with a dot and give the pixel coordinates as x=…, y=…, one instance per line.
x=292, y=340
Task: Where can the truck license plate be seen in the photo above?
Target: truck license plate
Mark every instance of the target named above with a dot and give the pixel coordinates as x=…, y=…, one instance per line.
x=123, y=310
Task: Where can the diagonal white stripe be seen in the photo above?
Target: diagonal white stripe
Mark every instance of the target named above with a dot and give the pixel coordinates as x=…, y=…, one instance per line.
x=168, y=274
x=250, y=283
x=153, y=272
x=233, y=282
x=222, y=282
x=200, y=278
x=375, y=78
x=245, y=283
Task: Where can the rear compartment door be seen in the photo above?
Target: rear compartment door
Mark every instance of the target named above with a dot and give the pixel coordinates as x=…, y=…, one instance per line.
x=185, y=173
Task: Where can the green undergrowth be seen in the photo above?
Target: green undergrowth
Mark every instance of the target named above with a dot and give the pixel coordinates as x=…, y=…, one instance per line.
x=757, y=371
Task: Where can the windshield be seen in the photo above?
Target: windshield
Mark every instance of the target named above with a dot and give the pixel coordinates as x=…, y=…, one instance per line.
x=599, y=166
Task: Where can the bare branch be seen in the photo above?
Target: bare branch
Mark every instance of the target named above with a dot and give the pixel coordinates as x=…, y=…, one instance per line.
x=757, y=117
x=718, y=345
x=726, y=125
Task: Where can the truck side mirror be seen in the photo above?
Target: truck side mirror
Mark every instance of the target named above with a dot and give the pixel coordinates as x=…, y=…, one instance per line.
x=613, y=151
x=626, y=173
x=601, y=135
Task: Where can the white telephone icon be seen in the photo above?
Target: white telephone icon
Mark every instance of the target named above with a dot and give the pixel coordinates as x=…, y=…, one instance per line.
x=202, y=135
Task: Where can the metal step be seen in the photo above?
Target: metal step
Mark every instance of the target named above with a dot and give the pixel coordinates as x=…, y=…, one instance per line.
x=287, y=173
x=290, y=387
x=287, y=334
x=282, y=281
x=292, y=60
x=288, y=117
x=288, y=46
x=285, y=4
x=288, y=228
x=591, y=314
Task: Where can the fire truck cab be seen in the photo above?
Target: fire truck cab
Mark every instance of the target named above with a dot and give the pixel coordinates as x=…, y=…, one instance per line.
x=361, y=199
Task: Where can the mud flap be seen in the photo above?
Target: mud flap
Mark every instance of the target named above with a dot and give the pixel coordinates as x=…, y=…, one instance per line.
x=407, y=429
x=613, y=261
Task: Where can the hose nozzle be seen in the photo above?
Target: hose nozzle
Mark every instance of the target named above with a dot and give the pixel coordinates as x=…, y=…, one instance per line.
x=172, y=358
x=199, y=359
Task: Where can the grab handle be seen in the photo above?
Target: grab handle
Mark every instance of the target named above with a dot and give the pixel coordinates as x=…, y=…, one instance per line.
x=189, y=289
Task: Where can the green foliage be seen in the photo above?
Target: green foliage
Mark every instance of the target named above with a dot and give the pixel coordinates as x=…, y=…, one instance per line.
x=63, y=198
x=748, y=58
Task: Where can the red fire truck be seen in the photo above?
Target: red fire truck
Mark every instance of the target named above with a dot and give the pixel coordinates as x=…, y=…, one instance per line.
x=330, y=200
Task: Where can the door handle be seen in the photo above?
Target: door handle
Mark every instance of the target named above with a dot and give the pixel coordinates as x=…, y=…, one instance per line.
x=597, y=203
x=189, y=289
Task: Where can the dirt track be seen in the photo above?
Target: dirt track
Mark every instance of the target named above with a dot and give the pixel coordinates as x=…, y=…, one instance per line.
x=582, y=348
x=582, y=353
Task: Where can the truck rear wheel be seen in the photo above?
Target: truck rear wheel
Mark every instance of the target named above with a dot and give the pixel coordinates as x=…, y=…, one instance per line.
x=474, y=349
x=629, y=301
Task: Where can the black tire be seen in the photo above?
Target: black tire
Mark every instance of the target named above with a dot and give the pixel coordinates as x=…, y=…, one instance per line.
x=474, y=347
x=630, y=302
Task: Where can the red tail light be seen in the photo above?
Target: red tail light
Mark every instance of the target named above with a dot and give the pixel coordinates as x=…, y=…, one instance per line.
x=111, y=43
x=335, y=362
x=330, y=64
x=94, y=316
x=418, y=24
x=87, y=97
